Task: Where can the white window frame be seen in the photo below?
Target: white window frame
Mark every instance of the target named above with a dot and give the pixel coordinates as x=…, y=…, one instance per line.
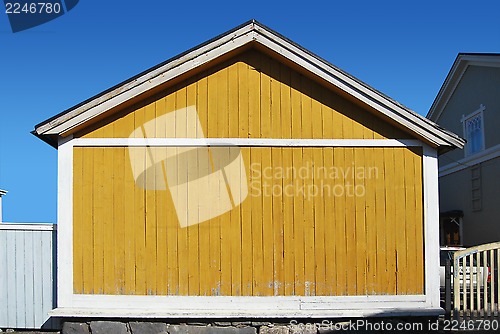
x=465, y=118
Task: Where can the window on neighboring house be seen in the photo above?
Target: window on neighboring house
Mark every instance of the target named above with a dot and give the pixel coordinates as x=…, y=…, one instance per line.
x=474, y=131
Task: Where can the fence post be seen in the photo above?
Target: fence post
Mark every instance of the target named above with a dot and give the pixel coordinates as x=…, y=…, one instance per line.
x=447, y=287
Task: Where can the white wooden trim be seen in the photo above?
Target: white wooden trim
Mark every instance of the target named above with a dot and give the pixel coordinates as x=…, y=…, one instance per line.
x=265, y=142
x=479, y=157
x=290, y=306
x=431, y=224
x=27, y=227
x=70, y=304
x=149, y=313
x=65, y=223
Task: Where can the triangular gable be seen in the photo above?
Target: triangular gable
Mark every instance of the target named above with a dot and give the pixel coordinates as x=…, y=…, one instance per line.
x=462, y=62
x=250, y=34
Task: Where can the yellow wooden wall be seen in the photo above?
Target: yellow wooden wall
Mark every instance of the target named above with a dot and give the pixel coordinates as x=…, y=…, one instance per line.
x=127, y=240
x=254, y=96
x=315, y=242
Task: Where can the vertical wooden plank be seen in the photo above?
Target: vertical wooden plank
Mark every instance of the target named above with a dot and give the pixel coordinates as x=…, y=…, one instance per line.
x=3, y=279
x=108, y=217
x=182, y=129
x=370, y=180
x=307, y=132
x=11, y=279
x=119, y=218
x=410, y=208
x=330, y=221
x=216, y=88
x=320, y=179
x=235, y=214
x=390, y=227
x=246, y=225
x=288, y=182
x=20, y=282
x=86, y=222
x=254, y=123
x=266, y=131
x=29, y=264
x=192, y=232
x=38, y=278
x=401, y=214
x=298, y=201
x=78, y=223
x=98, y=224
x=246, y=208
x=360, y=217
x=172, y=224
x=140, y=217
x=129, y=215
x=353, y=257
x=278, y=225
x=320, y=197
x=380, y=218
x=150, y=210
x=267, y=228
x=256, y=226
x=225, y=219
x=204, y=229
x=277, y=183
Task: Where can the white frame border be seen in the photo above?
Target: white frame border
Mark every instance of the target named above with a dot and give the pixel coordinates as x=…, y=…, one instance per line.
x=70, y=304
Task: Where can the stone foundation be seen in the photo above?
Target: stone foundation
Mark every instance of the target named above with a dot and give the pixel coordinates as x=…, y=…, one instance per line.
x=159, y=327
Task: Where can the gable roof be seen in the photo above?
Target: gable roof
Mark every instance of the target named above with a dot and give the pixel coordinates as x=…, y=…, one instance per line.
x=251, y=33
x=462, y=62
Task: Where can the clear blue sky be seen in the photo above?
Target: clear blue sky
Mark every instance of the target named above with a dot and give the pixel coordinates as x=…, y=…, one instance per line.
x=402, y=48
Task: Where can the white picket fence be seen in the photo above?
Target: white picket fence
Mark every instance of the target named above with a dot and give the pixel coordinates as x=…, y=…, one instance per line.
x=476, y=281
x=27, y=275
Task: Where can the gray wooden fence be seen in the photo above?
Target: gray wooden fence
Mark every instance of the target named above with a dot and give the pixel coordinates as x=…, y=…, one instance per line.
x=27, y=275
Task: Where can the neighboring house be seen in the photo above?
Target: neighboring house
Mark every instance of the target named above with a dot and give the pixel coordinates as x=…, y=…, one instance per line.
x=469, y=180
x=246, y=177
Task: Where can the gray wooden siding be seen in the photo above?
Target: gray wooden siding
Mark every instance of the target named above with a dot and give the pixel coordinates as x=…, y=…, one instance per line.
x=27, y=279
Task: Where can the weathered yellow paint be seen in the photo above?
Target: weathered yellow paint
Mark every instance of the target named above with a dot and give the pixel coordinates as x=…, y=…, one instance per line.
x=128, y=240
x=340, y=247
x=256, y=74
